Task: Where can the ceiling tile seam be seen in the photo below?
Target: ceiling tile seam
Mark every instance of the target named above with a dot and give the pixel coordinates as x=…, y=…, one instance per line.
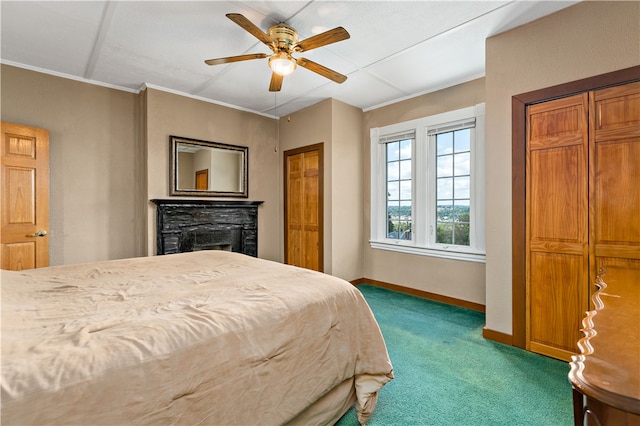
x=424, y=92
x=441, y=33
x=385, y=81
x=105, y=23
x=407, y=49
x=277, y=21
x=298, y=12
x=282, y=104
x=319, y=88
x=300, y=33
x=224, y=69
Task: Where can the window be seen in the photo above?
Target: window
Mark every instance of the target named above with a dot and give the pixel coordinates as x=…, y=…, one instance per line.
x=427, y=185
x=453, y=179
x=398, y=172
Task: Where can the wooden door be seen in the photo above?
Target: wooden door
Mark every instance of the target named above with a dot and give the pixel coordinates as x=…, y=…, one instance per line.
x=25, y=197
x=615, y=194
x=557, y=225
x=303, y=207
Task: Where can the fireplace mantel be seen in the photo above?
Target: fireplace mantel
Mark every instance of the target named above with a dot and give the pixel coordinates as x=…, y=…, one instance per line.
x=191, y=225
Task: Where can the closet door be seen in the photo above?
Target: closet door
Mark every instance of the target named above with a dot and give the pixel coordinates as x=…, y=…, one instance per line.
x=557, y=224
x=615, y=194
x=303, y=207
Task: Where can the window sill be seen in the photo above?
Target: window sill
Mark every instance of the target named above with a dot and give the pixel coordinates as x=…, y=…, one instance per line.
x=423, y=251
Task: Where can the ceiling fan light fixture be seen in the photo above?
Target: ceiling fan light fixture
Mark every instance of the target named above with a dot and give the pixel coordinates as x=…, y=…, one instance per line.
x=283, y=41
x=282, y=63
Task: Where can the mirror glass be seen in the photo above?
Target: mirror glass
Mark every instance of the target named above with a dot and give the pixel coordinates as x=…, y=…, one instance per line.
x=208, y=169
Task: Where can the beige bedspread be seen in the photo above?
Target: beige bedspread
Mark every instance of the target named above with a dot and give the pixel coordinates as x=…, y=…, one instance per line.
x=210, y=337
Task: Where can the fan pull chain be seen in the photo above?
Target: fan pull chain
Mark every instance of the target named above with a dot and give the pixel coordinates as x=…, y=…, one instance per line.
x=275, y=112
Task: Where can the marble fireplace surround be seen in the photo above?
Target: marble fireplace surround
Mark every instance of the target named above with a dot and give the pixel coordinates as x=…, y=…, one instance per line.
x=191, y=225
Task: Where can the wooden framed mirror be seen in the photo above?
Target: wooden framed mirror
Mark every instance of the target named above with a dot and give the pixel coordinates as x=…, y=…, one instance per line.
x=208, y=169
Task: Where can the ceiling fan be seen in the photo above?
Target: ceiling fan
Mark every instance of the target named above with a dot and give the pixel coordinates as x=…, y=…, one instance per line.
x=283, y=40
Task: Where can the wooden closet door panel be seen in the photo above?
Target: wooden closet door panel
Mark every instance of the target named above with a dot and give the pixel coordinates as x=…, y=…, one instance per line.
x=557, y=123
x=615, y=195
x=616, y=112
x=559, y=283
x=558, y=186
x=557, y=224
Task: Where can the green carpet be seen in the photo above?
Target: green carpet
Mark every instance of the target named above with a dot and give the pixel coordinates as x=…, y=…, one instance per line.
x=446, y=373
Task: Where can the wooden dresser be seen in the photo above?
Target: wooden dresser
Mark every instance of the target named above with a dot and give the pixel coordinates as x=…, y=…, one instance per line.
x=606, y=374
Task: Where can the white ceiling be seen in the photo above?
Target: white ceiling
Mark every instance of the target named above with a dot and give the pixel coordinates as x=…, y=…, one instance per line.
x=397, y=49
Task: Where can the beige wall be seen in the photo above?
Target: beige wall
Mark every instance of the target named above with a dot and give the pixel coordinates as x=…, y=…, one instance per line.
x=338, y=126
x=587, y=39
x=458, y=279
x=109, y=155
x=94, y=138
x=170, y=114
x=309, y=126
x=347, y=201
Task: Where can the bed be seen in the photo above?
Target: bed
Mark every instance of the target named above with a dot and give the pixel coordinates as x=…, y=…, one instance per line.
x=209, y=337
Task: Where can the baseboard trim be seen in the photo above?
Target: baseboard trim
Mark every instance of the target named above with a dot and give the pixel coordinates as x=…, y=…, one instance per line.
x=420, y=293
x=497, y=336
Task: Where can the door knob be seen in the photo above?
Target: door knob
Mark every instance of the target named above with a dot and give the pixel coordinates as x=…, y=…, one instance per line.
x=40, y=233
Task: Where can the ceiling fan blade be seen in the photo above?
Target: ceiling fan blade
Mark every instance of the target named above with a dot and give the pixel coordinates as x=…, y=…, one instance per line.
x=251, y=28
x=276, y=82
x=322, y=39
x=238, y=58
x=322, y=70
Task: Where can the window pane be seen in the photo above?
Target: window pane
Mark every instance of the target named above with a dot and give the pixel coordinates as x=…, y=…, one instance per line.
x=461, y=234
x=461, y=211
x=444, y=211
x=405, y=169
x=445, y=165
x=444, y=188
x=403, y=227
x=393, y=190
x=405, y=190
x=444, y=234
x=462, y=140
x=462, y=162
x=393, y=210
x=393, y=151
x=393, y=170
x=405, y=149
x=461, y=187
x=444, y=143
x=404, y=230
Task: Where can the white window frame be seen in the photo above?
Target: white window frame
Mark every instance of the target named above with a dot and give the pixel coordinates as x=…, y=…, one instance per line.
x=423, y=187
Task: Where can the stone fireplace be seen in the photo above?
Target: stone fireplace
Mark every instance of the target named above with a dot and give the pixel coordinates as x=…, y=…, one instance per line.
x=192, y=225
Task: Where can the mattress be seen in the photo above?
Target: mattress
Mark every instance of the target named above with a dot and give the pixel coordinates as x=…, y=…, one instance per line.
x=209, y=337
